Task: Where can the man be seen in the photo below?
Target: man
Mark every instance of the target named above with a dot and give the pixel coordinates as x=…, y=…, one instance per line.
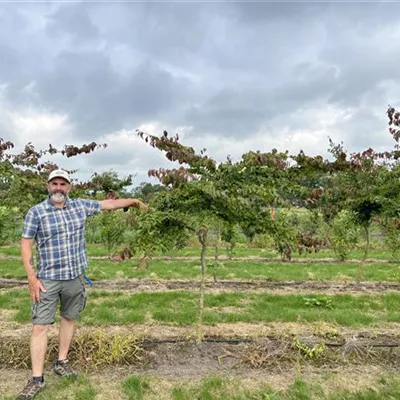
x=57, y=225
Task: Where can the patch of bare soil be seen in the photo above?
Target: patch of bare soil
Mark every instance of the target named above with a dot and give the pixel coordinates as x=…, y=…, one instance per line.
x=253, y=285
x=162, y=285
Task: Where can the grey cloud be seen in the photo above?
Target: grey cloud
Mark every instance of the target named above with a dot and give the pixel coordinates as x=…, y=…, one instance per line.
x=260, y=12
x=72, y=20
x=242, y=111
x=14, y=52
x=317, y=84
x=78, y=84
x=9, y=59
x=163, y=30
x=86, y=86
x=99, y=100
x=229, y=113
x=168, y=29
x=363, y=68
x=361, y=14
x=226, y=69
x=356, y=85
x=365, y=128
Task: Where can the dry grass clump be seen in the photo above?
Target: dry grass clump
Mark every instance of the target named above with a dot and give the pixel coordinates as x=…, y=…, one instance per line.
x=267, y=353
x=290, y=351
x=91, y=349
x=285, y=352
x=97, y=349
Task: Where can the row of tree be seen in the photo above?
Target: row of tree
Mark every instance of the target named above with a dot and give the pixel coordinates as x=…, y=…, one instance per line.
x=202, y=193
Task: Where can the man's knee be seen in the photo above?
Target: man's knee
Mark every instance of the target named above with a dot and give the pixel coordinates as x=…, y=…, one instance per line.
x=39, y=330
x=68, y=319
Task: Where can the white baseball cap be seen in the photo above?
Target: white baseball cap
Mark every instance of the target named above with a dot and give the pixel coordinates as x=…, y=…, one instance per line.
x=59, y=173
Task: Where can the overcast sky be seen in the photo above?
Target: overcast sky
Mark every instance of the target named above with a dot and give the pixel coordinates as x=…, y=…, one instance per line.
x=227, y=76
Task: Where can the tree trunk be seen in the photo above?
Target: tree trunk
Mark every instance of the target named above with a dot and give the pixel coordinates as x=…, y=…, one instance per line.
x=231, y=247
x=202, y=235
x=367, y=236
x=217, y=241
x=360, y=272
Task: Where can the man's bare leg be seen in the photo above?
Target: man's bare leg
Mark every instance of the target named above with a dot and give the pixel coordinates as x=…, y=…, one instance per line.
x=38, y=349
x=67, y=329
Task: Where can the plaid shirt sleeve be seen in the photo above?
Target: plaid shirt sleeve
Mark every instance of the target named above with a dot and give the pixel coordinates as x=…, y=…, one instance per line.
x=31, y=224
x=91, y=207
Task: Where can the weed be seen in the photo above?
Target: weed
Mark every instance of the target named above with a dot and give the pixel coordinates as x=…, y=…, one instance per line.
x=309, y=351
x=321, y=301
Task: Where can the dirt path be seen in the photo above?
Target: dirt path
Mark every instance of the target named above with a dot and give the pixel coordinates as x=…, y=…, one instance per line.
x=161, y=285
x=389, y=333
x=241, y=285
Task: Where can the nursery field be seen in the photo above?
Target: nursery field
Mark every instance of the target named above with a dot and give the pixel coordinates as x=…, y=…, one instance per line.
x=297, y=299
x=311, y=328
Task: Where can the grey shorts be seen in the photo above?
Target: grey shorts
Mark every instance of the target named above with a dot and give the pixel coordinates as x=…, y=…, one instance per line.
x=72, y=296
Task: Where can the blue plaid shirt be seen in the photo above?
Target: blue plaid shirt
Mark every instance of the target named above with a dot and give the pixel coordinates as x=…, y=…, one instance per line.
x=60, y=237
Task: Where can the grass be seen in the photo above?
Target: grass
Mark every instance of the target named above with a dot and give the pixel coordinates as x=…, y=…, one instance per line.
x=274, y=271
x=98, y=250
x=237, y=252
x=10, y=268
x=356, y=254
x=215, y=388
x=181, y=308
x=94, y=250
x=168, y=307
x=65, y=388
x=135, y=387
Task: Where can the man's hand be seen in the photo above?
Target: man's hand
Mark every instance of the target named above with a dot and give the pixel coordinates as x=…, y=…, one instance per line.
x=142, y=206
x=35, y=287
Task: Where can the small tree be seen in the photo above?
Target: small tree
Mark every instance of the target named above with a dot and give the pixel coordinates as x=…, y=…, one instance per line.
x=230, y=235
x=9, y=218
x=345, y=234
x=112, y=229
x=284, y=234
x=203, y=193
x=391, y=230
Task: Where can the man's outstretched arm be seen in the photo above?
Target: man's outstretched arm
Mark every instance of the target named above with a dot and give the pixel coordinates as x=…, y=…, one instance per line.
x=116, y=204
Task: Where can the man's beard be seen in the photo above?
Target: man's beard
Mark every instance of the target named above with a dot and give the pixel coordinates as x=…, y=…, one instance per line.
x=58, y=197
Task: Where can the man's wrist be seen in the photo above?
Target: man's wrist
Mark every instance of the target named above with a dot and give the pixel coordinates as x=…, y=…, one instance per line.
x=31, y=274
